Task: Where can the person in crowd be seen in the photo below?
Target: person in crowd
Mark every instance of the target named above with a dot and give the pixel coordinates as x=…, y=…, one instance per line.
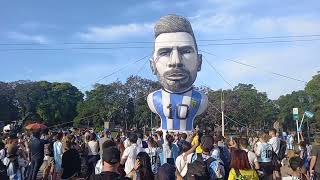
x=142, y=168
x=15, y=164
x=303, y=154
x=216, y=169
x=140, y=141
x=130, y=153
x=274, y=141
x=233, y=143
x=308, y=148
x=264, y=153
x=182, y=139
x=37, y=154
x=71, y=163
x=111, y=162
x=170, y=150
x=58, y=152
x=195, y=140
x=106, y=136
x=106, y=144
x=252, y=157
x=120, y=146
x=180, y=163
x=290, y=141
x=240, y=167
x=314, y=168
x=166, y=172
x=93, y=153
x=296, y=164
x=153, y=151
x=224, y=153
x=2, y=150
x=160, y=139
x=49, y=156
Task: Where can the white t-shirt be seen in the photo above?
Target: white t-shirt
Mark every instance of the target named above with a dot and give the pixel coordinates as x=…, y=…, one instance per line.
x=130, y=153
x=182, y=165
x=126, y=143
x=167, y=153
x=275, y=143
x=93, y=148
x=252, y=157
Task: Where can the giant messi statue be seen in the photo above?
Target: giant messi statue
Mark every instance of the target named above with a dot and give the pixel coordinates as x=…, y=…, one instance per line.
x=176, y=62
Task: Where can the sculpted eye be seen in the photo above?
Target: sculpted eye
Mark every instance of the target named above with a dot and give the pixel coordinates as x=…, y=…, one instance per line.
x=186, y=51
x=164, y=52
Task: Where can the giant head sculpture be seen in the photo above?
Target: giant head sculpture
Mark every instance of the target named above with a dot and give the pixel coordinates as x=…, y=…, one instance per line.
x=176, y=63
x=175, y=59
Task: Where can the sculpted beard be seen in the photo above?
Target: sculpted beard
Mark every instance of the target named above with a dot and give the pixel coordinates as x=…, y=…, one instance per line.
x=177, y=80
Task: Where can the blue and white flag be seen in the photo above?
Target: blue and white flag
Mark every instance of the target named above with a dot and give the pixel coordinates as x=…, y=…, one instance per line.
x=309, y=114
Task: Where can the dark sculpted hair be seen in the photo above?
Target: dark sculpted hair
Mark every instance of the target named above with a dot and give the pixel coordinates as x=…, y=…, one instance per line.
x=173, y=23
x=240, y=160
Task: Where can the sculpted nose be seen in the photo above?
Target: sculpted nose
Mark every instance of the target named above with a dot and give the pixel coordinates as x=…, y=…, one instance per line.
x=175, y=59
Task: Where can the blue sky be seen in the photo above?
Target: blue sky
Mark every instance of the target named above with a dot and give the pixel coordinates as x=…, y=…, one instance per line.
x=54, y=23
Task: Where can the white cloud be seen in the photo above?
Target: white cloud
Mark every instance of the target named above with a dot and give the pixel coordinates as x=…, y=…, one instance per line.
x=300, y=25
x=295, y=61
x=211, y=23
x=28, y=38
x=105, y=33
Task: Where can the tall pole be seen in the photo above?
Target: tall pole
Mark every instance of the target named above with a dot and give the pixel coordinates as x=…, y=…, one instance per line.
x=308, y=129
x=151, y=121
x=222, y=113
x=298, y=133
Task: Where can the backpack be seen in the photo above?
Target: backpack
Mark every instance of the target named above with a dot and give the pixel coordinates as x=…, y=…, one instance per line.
x=3, y=171
x=199, y=169
x=282, y=150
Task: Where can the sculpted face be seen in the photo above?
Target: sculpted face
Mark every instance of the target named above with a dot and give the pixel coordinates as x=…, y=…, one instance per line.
x=176, y=61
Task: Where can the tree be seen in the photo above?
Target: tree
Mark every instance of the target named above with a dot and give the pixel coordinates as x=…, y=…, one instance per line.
x=103, y=103
x=8, y=109
x=313, y=91
x=297, y=99
x=52, y=103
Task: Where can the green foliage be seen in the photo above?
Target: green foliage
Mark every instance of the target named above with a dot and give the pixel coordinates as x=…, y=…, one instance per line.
x=313, y=91
x=125, y=104
x=51, y=103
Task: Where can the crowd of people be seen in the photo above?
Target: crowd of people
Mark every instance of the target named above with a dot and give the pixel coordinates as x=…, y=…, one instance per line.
x=160, y=155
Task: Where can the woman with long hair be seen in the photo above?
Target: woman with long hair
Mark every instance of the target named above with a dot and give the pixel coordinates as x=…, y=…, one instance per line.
x=142, y=169
x=240, y=167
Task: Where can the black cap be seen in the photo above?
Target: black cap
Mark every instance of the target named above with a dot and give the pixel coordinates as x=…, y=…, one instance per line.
x=111, y=155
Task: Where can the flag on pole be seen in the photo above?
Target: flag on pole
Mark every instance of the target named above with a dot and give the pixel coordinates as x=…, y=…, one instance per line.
x=309, y=114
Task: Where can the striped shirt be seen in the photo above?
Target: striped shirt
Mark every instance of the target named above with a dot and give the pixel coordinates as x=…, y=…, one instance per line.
x=177, y=110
